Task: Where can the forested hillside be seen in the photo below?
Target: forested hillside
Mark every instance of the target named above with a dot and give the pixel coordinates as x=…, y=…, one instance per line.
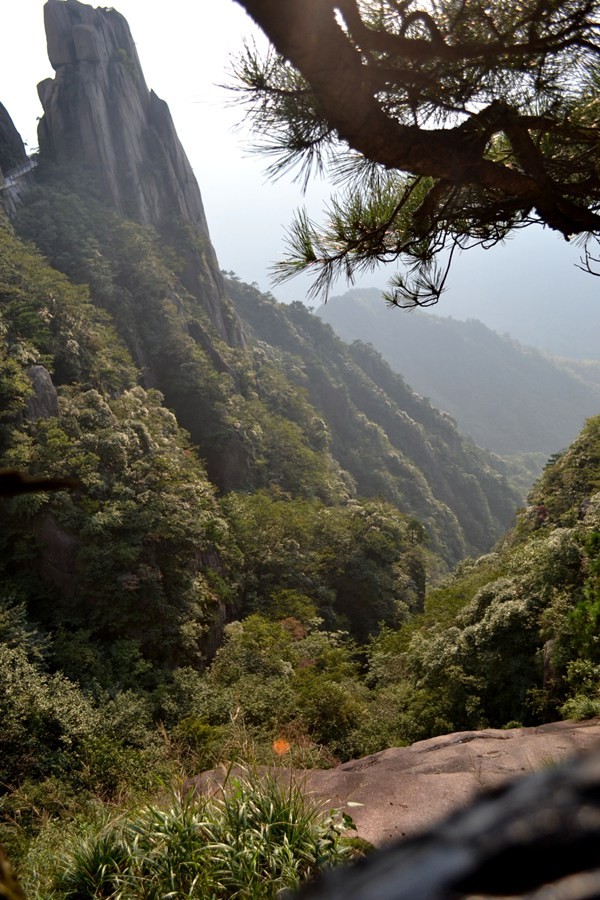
x=246, y=517
x=511, y=637
x=116, y=593
x=393, y=443
x=300, y=418
x=255, y=472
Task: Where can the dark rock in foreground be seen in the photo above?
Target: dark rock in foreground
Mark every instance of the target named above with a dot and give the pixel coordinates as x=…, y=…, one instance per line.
x=537, y=837
x=403, y=790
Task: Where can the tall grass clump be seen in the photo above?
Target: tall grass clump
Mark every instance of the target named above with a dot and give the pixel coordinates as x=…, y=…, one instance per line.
x=257, y=835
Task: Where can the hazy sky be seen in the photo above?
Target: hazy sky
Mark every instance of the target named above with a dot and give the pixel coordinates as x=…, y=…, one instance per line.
x=184, y=47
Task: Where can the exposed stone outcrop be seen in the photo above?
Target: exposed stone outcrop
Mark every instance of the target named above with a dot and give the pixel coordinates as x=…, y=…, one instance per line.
x=536, y=839
x=468, y=828
x=12, y=149
x=400, y=792
x=43, y=402
x=100, y=115
x=12, y=158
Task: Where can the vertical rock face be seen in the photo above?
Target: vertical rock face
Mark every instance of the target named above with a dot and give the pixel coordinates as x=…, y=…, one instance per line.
x=13, y=159
x=100, y=115
x=12, y=151
x=43, y=402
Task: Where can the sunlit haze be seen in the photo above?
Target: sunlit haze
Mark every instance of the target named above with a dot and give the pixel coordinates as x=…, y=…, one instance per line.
x=184, y=47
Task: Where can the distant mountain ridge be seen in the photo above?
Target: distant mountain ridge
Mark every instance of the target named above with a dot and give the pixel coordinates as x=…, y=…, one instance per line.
x=507, y=397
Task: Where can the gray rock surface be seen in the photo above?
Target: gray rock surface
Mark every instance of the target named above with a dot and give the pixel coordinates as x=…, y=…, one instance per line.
x=12, y=157
x=100, y=115
x=12, y=149
x=536, y=838
x=404, y=790
x=43, y=402
x=485, y=814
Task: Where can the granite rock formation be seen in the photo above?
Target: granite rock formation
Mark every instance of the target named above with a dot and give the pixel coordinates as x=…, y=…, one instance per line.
x=99, y=115
x=43, y=401
x=402, y=792
x=534, y=838
x=498, y=814
x=14, y=164
x=12, y=150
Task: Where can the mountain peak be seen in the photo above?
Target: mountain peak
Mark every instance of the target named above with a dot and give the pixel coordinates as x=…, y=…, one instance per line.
x=99, y=115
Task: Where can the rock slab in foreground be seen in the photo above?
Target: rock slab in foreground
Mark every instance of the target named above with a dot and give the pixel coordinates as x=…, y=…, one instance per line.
x=401, y=792
x=404, y=790
x=535, y=838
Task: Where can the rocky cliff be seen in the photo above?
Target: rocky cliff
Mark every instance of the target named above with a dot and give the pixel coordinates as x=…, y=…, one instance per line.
x=12, y=151
x=99, y=115
x=15, y=168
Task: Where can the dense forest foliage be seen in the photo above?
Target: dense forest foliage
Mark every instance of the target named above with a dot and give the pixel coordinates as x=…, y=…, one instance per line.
x=246, y=558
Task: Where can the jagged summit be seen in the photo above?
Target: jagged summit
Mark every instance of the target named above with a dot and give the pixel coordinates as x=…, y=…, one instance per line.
x=98, y=111
x=99, y=114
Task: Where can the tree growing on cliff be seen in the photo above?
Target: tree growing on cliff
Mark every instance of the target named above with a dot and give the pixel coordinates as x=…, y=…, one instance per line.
x=447, y=123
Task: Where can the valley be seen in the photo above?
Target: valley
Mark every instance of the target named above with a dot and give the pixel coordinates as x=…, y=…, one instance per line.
x=266, y=543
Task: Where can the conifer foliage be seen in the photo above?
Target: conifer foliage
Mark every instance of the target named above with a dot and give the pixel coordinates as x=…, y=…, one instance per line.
x=448, y=124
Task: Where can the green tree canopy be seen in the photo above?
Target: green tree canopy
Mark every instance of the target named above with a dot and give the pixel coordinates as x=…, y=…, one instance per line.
x=447, y=124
